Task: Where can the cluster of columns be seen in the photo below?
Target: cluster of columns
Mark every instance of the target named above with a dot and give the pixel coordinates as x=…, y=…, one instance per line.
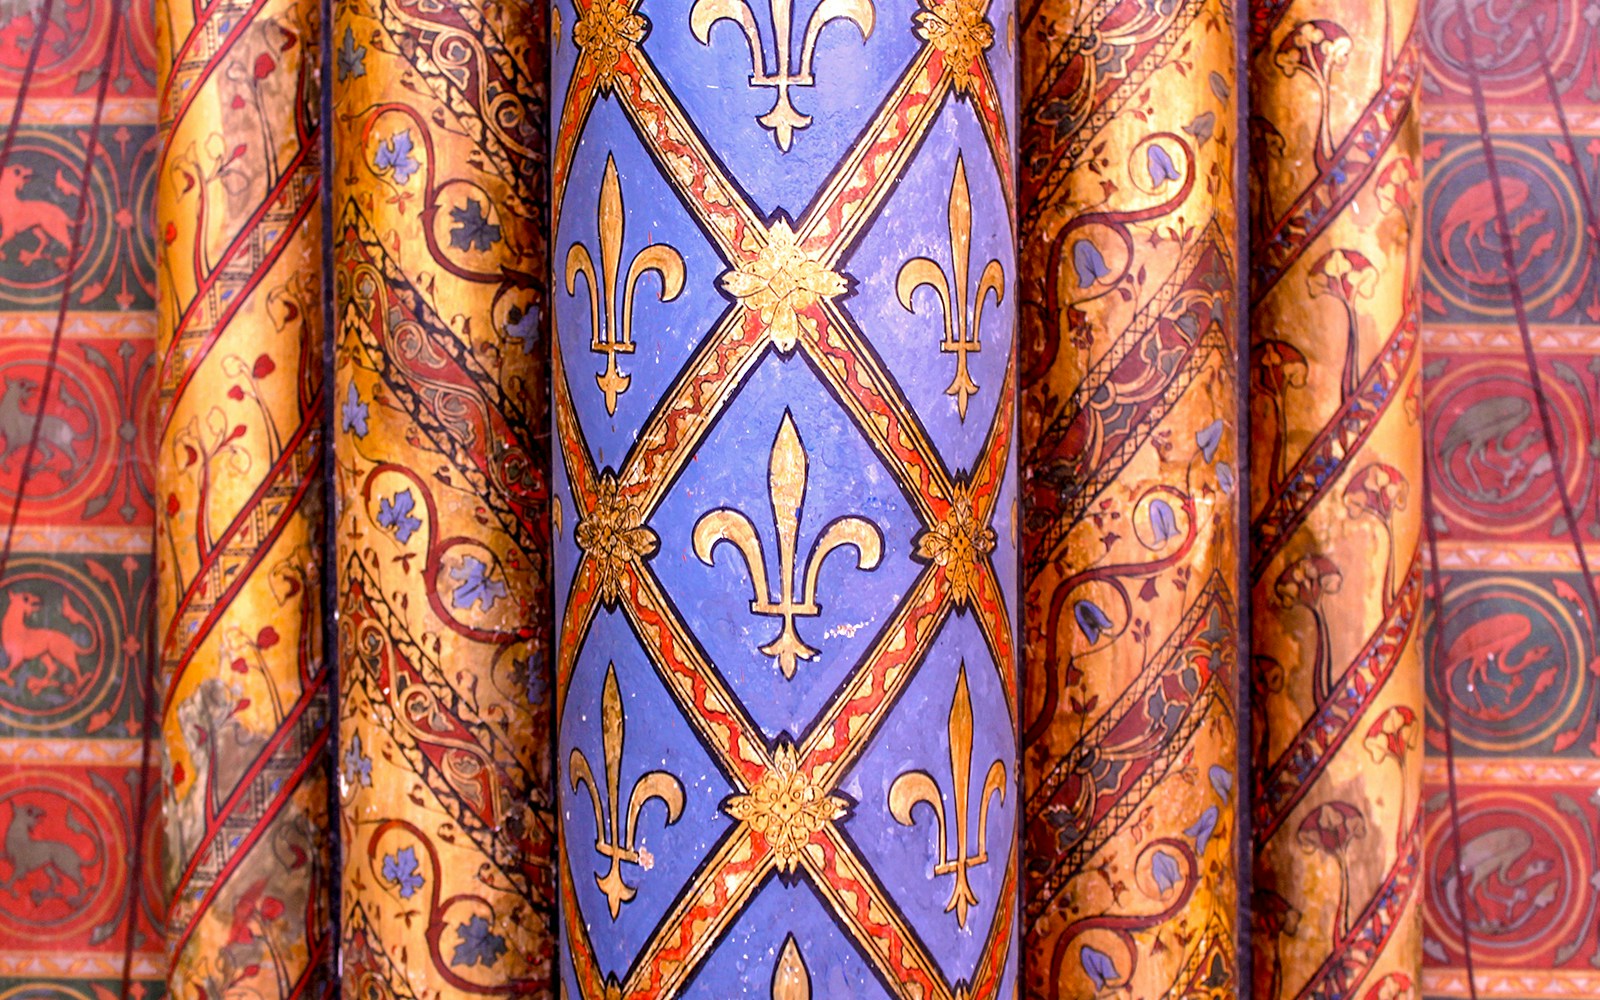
x=375, y=488
x=485, y=326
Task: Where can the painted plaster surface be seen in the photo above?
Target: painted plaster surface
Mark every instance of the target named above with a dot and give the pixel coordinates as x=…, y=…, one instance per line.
x=1131, y=549
x=445, y=785
x=785, y=494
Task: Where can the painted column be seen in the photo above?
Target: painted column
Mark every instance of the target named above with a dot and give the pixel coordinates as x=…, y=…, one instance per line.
x=1335, y=498
x=784, y=496
x=442, y=538
x=1130, y=538
x=245, y=715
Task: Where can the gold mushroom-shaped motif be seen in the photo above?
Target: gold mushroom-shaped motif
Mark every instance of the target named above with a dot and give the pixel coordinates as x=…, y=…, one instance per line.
x=1304, y=584
x=1380, y=490
x=1346, y=275
x=1330, y=829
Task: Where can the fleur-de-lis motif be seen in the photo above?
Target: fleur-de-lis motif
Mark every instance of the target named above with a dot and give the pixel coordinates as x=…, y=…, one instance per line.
x=615, y=832
x=786, y=486
x=783, y=119
x=916, y=787
x=790, y=979
x=961, y=325
x=611, y=305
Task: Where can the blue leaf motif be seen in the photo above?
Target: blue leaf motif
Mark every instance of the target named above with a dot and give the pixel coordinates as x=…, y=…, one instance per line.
x=476, y=585
x=1091, y=620
x=1225, y=477
x=395, y=514
x=352, y=57
x=1164, y=869
x=400, y=869
x=357, y=765
x=1203, y=127
x=394, y=154
x=1163, y=522
x=478, y=945
x=473, y=229
x=1221, y=780
x=1097, y=965
x=353, y=413
x=1088, y=262
x=524, y=328
x=1161, y=166
x=1201, y=830
x=1208, y=438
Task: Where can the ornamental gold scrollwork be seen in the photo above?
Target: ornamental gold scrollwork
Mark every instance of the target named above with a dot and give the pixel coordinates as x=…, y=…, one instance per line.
x=616, y=833
x=913, y=788
x=788, y=808
x=958, y=545
x=780, y=283
x=786, y=486
x=612, y=537
x=961, y=324
x=958, y=30
x=606, y=30
x=611, y=305
x=783, y=119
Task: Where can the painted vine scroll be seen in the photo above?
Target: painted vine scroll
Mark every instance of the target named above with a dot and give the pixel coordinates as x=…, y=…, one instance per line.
x=445, y=780
x=1130, y=351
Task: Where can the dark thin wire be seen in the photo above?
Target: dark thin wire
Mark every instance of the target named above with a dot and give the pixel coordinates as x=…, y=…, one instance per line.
x=1448, y=711
x=47, y=382
x=1244, y=690
x=1547, y=423
x=1514, y=287
x=1592, y=230
x=22, y=91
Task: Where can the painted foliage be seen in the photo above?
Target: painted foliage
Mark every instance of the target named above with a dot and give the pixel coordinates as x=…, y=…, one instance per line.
x=445, y=784
x=1130, y=350
x=1335, y=499
x=80, y=900
x=239, y=457
x=785, y=498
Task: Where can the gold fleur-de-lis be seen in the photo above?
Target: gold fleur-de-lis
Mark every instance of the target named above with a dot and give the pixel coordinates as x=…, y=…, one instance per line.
x=786, y=486
x=790, y=980
x=783, y=119
x=918, y=787
x=611, y=305
x=615, y=832
x=961, y=325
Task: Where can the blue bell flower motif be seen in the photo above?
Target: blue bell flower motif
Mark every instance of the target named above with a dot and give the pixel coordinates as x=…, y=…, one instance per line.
x=1091, y=620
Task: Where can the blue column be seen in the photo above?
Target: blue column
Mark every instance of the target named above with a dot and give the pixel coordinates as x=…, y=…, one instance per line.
x=785, y=421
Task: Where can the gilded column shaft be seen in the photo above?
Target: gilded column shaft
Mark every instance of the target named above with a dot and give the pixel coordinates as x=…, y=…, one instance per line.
x=1131, y=498
x=442, y=537
x=1335, y=499
x=239, y=460
x=784, y=491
